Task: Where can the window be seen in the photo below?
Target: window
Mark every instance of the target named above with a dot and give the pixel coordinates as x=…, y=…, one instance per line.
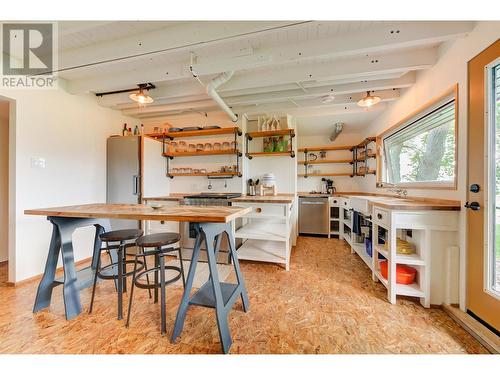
x=493, y=259
x=421, y=151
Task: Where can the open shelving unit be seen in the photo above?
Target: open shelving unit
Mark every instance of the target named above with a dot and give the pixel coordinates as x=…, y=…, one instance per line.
x=326, y=161
x=249, y=136
x=355, y=160
x=196, y=133
x=335, y=222
x=325, y=174
x=208, y=174
x=420, y=259
x=170, y=155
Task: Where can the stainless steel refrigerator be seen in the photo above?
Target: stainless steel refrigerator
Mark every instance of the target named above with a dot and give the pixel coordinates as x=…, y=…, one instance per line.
x=124, y=175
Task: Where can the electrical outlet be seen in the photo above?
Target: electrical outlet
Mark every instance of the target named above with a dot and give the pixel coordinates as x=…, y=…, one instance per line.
x=37, y=162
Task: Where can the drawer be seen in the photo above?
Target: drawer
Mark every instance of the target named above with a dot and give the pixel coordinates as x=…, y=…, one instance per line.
x=345, y=203
x=382, y=216
x=163, y=226
x=265, y=209
x=334, y=202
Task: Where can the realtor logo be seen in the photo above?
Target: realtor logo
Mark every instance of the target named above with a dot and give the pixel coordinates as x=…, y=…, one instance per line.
x=28, y=55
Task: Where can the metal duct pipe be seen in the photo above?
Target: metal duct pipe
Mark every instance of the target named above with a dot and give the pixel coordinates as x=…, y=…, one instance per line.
x=213, y=85
x=337, y=129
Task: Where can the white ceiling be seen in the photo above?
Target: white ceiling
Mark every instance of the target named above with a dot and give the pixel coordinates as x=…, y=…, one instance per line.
x=279, y=66
x=322, y=125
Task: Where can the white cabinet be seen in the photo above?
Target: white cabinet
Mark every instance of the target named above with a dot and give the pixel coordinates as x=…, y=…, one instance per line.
x=334, y=216
x=415, y=227
x=266, y=232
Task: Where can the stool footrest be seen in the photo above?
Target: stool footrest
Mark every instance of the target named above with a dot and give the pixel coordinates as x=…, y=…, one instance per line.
x=113, y=267
x=151, y=271
x=205, y=295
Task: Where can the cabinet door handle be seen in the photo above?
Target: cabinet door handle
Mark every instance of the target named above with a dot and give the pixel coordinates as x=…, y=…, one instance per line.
x=379, y=216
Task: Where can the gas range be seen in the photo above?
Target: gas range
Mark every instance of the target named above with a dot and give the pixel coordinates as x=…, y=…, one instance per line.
x=188, y=230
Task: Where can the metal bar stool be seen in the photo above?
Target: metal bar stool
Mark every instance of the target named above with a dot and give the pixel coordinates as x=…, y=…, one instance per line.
x=158, y=241
x=116, y=270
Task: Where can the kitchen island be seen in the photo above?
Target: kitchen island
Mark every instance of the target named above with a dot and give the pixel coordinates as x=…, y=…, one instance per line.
x=210, y=223
x=268, y=230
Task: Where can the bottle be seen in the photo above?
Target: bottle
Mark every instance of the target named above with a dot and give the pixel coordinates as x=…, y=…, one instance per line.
x=129, y=131
x=142, y=129
x=136, y=130
x=124, y=131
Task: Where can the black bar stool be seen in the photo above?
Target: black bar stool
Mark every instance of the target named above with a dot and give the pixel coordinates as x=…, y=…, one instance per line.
x=158, y=241
x=116, y=240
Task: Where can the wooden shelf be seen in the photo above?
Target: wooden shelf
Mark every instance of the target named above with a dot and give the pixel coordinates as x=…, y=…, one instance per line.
x=208, y=174
x=271, y=133
x=259, y=154
x=366, y=141
x=325, y=148
x=324, y=174
x=200, y=153
x=369, y=172
x=364, y=158
x=196, y=133
x=327, y=161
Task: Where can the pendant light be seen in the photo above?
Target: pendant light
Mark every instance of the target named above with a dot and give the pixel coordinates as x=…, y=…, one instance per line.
x=140, y=97
x=369, y=100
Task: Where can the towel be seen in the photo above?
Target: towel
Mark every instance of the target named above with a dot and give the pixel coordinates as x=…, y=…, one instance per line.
x=356, y=223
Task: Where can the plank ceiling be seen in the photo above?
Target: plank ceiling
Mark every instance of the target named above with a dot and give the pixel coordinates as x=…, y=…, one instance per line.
x=279, y=66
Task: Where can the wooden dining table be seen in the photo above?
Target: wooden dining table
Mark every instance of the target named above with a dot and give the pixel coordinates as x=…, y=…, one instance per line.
x=211, y=223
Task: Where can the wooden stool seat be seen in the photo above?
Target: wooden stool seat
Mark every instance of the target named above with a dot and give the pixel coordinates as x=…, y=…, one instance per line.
x=158, y=239
x=121, y=235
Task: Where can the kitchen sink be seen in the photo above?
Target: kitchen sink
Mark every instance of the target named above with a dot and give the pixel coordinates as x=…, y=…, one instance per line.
x=360, y=204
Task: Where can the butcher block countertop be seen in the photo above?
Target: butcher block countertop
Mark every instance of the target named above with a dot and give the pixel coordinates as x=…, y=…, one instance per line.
x=280, y=198
x=381, y=200
x=170, y=197
x=198, y=214
x=395, y=203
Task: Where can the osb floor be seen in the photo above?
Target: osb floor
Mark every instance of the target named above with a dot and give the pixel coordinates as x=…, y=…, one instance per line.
x=326, y=303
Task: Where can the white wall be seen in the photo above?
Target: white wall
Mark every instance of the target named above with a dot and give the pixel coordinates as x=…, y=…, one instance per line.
x=70, y=133
x=450, y=69
x=4, y=180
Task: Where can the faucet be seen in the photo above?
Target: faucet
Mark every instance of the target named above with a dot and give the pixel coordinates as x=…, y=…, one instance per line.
x=401, y=192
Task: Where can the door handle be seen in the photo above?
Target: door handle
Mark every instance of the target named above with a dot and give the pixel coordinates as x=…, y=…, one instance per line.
x=135, y=186
x=474, y=206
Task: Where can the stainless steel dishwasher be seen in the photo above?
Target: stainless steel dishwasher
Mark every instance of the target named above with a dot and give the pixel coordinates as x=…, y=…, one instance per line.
x=314, y=215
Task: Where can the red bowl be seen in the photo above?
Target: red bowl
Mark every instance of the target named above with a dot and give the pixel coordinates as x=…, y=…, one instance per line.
x=404, y=274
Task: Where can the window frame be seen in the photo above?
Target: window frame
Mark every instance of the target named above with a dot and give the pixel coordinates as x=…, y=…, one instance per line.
x=490, y=185
x=450, y=94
